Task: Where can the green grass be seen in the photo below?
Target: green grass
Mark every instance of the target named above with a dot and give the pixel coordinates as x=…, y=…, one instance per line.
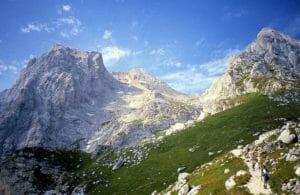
x=221, y=131
x=284, y=171
x=212, y=177
x=281, y=172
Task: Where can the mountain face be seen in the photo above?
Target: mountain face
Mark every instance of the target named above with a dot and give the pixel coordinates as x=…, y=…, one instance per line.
x=67, y=99
x=270, y=65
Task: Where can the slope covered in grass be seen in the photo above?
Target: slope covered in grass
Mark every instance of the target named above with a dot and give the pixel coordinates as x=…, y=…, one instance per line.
x=212, y=178
x=220, y=132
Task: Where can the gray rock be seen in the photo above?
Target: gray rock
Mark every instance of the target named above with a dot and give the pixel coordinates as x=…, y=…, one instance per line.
x=293, y=154
x=194, y=190
x=286, y=137
x=180, y=169
x=184, y=189
x=182, y=176
x=118, y=164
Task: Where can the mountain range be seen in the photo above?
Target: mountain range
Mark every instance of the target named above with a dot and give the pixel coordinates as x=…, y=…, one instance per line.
x=66, y=100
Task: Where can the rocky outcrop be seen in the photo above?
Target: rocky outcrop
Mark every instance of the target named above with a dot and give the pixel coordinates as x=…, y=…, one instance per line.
x=270, y=65
x=36, y=170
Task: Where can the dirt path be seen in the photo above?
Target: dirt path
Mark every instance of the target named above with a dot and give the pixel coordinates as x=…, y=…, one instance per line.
x=256, y=184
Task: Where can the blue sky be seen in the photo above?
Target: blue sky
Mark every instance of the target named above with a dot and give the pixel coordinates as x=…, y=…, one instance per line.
x=185, y=43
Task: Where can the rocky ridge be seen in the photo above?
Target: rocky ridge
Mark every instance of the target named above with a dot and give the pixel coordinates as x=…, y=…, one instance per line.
x=270, y=65
x=67, y=99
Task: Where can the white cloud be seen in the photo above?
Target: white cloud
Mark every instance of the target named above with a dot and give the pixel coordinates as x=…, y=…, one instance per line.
x=66, y=8
x=188, y=81
x=135, y=38
x=113, y=54
x=65, y=26
x=136, y=53
x=197, y=78
x=69, y=26
x=38, y=27
x=159, y=52
x=7, y=68
x=172, y=63
x=107, y=35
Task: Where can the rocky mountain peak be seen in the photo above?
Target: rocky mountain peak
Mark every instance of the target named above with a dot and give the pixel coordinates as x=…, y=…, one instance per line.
x=54, y=97
x=66, y=98
x=269, y=65
x=275, y=48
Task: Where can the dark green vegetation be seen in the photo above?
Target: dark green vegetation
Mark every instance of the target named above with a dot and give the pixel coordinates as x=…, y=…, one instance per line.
x=222, y=131
x=68, y=160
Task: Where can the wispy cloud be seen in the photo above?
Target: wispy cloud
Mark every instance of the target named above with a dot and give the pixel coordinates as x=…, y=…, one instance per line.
x=172, y=63
x=229, y=12
x=293, y=27
x=7, y=68
x=197, y=78
x=65, y=26
x=200, y=42
x=113, y=54
x=134, y=37
x=66, y=7
x=159, y=52
x=68, y=26
x=107, y=35
x=38, y=27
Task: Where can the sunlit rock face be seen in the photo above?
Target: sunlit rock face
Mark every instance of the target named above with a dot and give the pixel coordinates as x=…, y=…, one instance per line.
x=269, y=65
x=67, y=99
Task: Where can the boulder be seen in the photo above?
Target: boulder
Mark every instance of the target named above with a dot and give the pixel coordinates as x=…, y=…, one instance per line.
x=182, y=176
x=194, y=190
x=230, y=183
x=180, y=169
x=226, y=171
x=190, y=124
x=118, y=164
x=202, y=116
x=293, y=154
x=241, y=172
x=286, y=137
x=184, y=189
x=237, y=152
x=297, y=172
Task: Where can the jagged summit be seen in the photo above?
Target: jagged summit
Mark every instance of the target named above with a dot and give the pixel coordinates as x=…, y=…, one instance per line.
x=53, y=100
x=66, y=98
x=269, y=33
x=269, y=65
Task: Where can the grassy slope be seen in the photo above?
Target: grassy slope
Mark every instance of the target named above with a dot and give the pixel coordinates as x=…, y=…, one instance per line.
x=212, y=177
x=281, y=172
x=218, y=132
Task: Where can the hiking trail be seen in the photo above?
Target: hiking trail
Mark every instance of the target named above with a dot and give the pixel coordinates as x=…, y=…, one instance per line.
x=256, y=183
